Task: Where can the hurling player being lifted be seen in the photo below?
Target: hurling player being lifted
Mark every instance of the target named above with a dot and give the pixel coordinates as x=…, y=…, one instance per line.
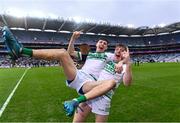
x=81, y=80
x=100, y=105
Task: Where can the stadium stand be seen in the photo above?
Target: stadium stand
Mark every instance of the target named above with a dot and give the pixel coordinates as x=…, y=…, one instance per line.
x=170, y=57
x=158, y=44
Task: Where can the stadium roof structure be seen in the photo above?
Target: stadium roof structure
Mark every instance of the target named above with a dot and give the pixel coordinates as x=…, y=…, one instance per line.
x=62, y=25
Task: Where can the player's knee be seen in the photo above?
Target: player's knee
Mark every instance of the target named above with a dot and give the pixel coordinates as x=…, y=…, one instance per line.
x=79, y=117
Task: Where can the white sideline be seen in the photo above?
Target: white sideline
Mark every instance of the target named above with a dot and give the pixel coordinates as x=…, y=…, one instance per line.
x=12, y=93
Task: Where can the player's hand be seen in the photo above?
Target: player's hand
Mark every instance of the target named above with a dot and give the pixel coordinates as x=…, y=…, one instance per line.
x=126, y=56
x=119, y=67
x=75, y=35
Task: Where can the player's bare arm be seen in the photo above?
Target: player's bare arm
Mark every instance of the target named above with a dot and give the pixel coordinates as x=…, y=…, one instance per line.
x=127, y=78
x=71, y=48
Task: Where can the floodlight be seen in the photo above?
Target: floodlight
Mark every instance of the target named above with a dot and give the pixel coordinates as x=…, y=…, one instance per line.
x=53, y=16
x=77, y=19
x=38, y=14
x=162, y=25
x=16, y=12
x=130, y=25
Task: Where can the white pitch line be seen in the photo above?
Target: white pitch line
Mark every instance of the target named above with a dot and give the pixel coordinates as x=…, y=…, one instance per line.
x=12, y=93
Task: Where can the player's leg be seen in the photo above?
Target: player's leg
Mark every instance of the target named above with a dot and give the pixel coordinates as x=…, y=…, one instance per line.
x=98, y=88
x=16, y=50
x=62, y=56
x=80, y=116
x=101, y=118
x=101, y=107
x=93, y=90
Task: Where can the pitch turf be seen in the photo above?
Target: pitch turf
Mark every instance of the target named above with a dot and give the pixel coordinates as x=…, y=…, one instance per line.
x=153, y=96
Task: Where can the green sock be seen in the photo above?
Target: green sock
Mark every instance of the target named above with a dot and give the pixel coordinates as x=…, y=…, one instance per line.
x=28, y=52
x=81, y=98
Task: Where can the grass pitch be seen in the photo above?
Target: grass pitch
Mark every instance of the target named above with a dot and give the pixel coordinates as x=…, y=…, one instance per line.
x=153, y=96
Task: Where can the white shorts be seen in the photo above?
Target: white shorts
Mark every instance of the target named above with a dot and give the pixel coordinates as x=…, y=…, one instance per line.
x=100, y=105
x=80, y=79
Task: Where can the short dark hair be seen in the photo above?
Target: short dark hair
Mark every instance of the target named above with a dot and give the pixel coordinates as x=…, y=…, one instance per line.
x=104, y=39
x=122, y=45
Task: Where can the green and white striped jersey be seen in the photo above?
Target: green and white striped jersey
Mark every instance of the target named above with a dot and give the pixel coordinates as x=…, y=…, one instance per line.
x=95, y=62
x=109, y=73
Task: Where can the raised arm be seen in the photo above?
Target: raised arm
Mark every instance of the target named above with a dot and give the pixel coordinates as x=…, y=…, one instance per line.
x=127, y=78
x=71, y=49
